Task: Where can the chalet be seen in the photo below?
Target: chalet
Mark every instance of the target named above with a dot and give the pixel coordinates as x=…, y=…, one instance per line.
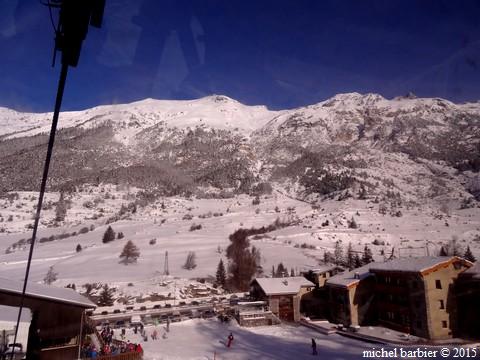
x=58, y=315
x=467, y=290
x=282, y=294
x=350, y=296
x=416, y=295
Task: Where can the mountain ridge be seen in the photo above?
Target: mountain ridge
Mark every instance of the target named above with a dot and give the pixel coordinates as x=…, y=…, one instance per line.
x=218, y=142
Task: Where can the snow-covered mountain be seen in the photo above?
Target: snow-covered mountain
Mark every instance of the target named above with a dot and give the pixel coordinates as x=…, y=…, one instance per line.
x=215, y=111
x=421, y=148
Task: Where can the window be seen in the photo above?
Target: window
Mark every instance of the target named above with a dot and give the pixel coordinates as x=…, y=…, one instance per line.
x=444, y=324
x=442, y=304
x=438, y=284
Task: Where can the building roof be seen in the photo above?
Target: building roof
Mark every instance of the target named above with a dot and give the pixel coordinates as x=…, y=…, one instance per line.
x=474, y=271
x=412, y=264
x=350, y=278
x=323, y=269
x=283, y=286
x=63, y=295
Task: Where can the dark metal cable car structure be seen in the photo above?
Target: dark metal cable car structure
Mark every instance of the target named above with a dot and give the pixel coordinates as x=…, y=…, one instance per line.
x=74, y=18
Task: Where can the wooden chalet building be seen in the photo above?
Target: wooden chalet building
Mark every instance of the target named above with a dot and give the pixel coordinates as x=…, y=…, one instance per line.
x=282, y=294
x=417, y=295
x=58, y=316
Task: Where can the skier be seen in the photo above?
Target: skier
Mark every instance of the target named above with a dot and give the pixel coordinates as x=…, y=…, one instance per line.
x=230, y=339
x=314, y=347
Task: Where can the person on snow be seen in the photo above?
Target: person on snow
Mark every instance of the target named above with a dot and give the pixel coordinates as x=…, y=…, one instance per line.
x=229, y=340
x=314, y=347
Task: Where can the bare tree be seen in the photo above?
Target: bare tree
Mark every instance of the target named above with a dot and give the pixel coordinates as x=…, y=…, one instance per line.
x=190, y=262
x=51, y=276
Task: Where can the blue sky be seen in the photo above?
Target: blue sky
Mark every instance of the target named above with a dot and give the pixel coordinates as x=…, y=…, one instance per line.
x=280, y=53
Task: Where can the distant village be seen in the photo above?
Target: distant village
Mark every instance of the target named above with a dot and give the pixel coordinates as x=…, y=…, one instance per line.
x=419, y=300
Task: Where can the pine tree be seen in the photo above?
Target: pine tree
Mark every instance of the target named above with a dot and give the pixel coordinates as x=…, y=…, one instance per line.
x=367, y=257
x=292, y=272
x=281, y=271
x=190, y=262
x=60, y=209
x=468, y=255
x=442, y=251
x=130, y=253
x=109, y=235
x=106, y=296
x=350, y=257
x=327, y=257
x=357, y=262
x=338, y=253
x=221, y=275
x=273, y=271
x=79, y=248
x=51, y=276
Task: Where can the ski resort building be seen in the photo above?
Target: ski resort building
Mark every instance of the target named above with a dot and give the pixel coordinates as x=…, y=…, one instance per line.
x=468, y=298
x=282, y=294
x=57, y=318
x=350, y=296
x=416, y=295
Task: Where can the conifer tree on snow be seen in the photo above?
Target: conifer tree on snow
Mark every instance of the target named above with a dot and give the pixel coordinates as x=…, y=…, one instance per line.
x=338, y=253
x=468, y=255
x=78, y=248
x=292, y=272
x=357, y=262
x=367, y=256
x=221, y=275
x=350, y=258
x=327, y=257
x=130, y=253
x=106, y=296
x=281, y=271
x=109, y=235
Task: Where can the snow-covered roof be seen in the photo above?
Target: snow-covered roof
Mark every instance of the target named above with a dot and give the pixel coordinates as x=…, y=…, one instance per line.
x=64, y=295
x=349, y=278
x=287, y=285
x=411, y=264
x=323, y=269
